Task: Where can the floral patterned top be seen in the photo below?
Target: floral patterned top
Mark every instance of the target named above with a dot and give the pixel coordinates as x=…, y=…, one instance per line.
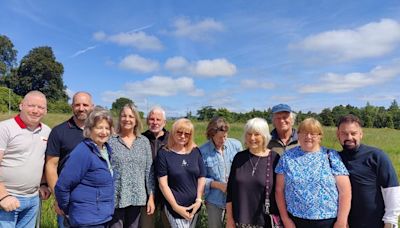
x=134, y=179
x=310, y=186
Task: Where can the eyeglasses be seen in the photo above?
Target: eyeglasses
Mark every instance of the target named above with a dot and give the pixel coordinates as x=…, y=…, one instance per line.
x=311, y=135
x=186, y=134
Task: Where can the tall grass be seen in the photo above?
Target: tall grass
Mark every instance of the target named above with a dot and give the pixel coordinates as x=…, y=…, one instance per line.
x=386, y=139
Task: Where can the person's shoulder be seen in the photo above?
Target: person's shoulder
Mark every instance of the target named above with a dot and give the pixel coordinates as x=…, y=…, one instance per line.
x=8, y=122
x=204, y=148
x=234, y=141
x=143, y=138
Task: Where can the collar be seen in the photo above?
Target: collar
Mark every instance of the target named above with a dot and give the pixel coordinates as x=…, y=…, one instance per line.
x=212, y=145
x=150, y=134
x=21, y=123
x=93, y=147
x=71, y=123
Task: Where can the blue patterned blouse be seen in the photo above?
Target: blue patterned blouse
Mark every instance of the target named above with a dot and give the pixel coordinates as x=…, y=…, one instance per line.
x=310, y=185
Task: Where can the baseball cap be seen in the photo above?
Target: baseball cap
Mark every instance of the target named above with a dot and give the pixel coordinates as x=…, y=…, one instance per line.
x=281, y=108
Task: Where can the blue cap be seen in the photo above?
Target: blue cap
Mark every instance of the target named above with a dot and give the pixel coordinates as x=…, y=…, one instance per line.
x=281, y=108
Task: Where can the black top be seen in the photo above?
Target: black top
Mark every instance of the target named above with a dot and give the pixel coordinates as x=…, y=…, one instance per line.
x=183, y=171
x=247, y=192
x=62, y=140
x=156, y=143
x=370, y=169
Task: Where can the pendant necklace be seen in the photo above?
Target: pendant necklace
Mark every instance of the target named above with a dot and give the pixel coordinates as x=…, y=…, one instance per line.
x=254, y=166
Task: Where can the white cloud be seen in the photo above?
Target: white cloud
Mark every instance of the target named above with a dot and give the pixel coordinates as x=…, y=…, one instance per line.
x=336, y=83
x=199, y=31
x=371, y=40
x=213, y=67
x=138, y=63
x=155, y=86
x=136, y=39
x=255, y=84
x=176, y=63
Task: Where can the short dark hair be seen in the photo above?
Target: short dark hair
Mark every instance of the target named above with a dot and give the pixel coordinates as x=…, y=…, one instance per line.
x=349, y=118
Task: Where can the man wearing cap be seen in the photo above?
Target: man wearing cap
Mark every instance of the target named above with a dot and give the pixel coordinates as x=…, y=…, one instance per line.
x=284, y=136
x=22, y=146
x=63, y=139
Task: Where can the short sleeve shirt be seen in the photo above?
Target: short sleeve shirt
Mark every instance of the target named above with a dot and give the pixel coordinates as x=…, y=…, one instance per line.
x=23, y=149
x=310, y=185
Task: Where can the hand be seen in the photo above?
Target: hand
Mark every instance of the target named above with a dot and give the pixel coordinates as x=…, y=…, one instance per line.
x=182, y=211
x=194, y=208
x=9, y=203
x=222, y=187
x=57, y=209
x=150, y=206
x=288, y=223
x=44, y=192
x=388, y=225
x=339, y=224
x=230, y=223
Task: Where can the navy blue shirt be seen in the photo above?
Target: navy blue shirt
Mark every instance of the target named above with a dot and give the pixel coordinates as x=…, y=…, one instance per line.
x=63, y=139
x=370, y=170
x=183, y=171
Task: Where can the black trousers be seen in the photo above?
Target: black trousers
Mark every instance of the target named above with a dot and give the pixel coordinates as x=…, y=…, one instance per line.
x=309, y=223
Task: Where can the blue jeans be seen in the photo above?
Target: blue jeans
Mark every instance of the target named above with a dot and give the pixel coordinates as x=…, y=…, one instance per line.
x=22, y=217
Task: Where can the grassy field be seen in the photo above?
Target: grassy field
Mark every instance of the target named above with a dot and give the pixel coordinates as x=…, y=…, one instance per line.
x=386, y=139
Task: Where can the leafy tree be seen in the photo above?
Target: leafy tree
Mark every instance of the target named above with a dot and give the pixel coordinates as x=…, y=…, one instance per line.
x=326, y=117
x=39, y=70
x=7, y=96
x=119, y=103
x=206, y=113
x=8, y=55
x=223, y=112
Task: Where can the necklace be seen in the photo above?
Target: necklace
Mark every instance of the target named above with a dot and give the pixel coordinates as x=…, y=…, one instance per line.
x=254, y=166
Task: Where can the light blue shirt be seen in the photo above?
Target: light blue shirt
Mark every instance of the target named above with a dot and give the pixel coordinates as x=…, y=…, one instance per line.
x=218, y=167
x=310, y=185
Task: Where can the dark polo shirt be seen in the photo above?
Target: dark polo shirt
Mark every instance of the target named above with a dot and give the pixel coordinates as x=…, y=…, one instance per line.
x=63, y=139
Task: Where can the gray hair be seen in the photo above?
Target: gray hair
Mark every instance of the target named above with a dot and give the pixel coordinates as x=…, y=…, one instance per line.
x=95, y=116
x=156, y=109
x=260, y=126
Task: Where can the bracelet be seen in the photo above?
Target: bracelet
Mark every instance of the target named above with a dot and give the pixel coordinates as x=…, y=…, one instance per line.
x=199, y=200
x=5, y=197
x=44, y=184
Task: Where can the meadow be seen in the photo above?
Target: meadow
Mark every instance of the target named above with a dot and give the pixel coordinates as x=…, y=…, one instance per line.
x=386, y=139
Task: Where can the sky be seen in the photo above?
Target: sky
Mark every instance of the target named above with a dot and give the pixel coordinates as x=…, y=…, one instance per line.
x=239, y=55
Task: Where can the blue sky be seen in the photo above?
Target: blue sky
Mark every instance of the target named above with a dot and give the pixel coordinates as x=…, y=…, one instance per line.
x=239, y=55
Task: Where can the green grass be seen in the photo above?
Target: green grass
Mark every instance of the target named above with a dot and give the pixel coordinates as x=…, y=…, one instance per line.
x=385, y=139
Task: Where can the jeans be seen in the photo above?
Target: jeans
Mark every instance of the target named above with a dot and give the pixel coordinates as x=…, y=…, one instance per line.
x=22, y=217
x=215, y=216
x=61, y=222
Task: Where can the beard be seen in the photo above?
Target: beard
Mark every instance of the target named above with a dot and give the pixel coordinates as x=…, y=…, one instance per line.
x=350, y=145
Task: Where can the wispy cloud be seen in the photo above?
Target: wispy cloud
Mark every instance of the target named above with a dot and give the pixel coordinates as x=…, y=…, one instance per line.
x=197, y=31
x=83, y=51
x=138, y=63
x=202, y=68
x=256, y=84
x=371, y=40
x=337, y=83
x=155, y=86
x=135, y=38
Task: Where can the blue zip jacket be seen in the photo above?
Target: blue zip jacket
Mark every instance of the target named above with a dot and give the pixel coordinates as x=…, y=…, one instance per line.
x=85, y=187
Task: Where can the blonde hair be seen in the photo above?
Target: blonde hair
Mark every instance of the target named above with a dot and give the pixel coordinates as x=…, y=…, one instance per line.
x=182, y=124
x=138, y=122
x=310, y=125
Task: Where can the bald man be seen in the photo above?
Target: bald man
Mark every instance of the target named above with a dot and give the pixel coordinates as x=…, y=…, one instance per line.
x=23, y=142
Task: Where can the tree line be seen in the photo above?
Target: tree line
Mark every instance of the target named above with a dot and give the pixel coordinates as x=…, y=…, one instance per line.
x=372, y=116
x=39, y=70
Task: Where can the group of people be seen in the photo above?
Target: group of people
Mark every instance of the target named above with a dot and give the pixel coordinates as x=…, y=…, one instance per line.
x=106, y=177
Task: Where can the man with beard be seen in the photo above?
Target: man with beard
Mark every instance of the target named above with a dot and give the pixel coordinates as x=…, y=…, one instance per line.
x=158, y=137
x=376, y=192
x=63, y=139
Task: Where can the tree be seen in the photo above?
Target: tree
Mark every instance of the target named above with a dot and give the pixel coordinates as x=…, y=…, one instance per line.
x=8, y=55
x=9, y=98
x=39, y=70
x=206, y=113
x=326, y=117
x=119, y=103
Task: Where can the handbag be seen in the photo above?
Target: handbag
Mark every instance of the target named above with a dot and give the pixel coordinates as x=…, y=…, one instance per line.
x=276, y=221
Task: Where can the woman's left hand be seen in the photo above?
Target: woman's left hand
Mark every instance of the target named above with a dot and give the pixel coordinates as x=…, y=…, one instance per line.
x=195, y=207
x=150, y=206
x=340, y=225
